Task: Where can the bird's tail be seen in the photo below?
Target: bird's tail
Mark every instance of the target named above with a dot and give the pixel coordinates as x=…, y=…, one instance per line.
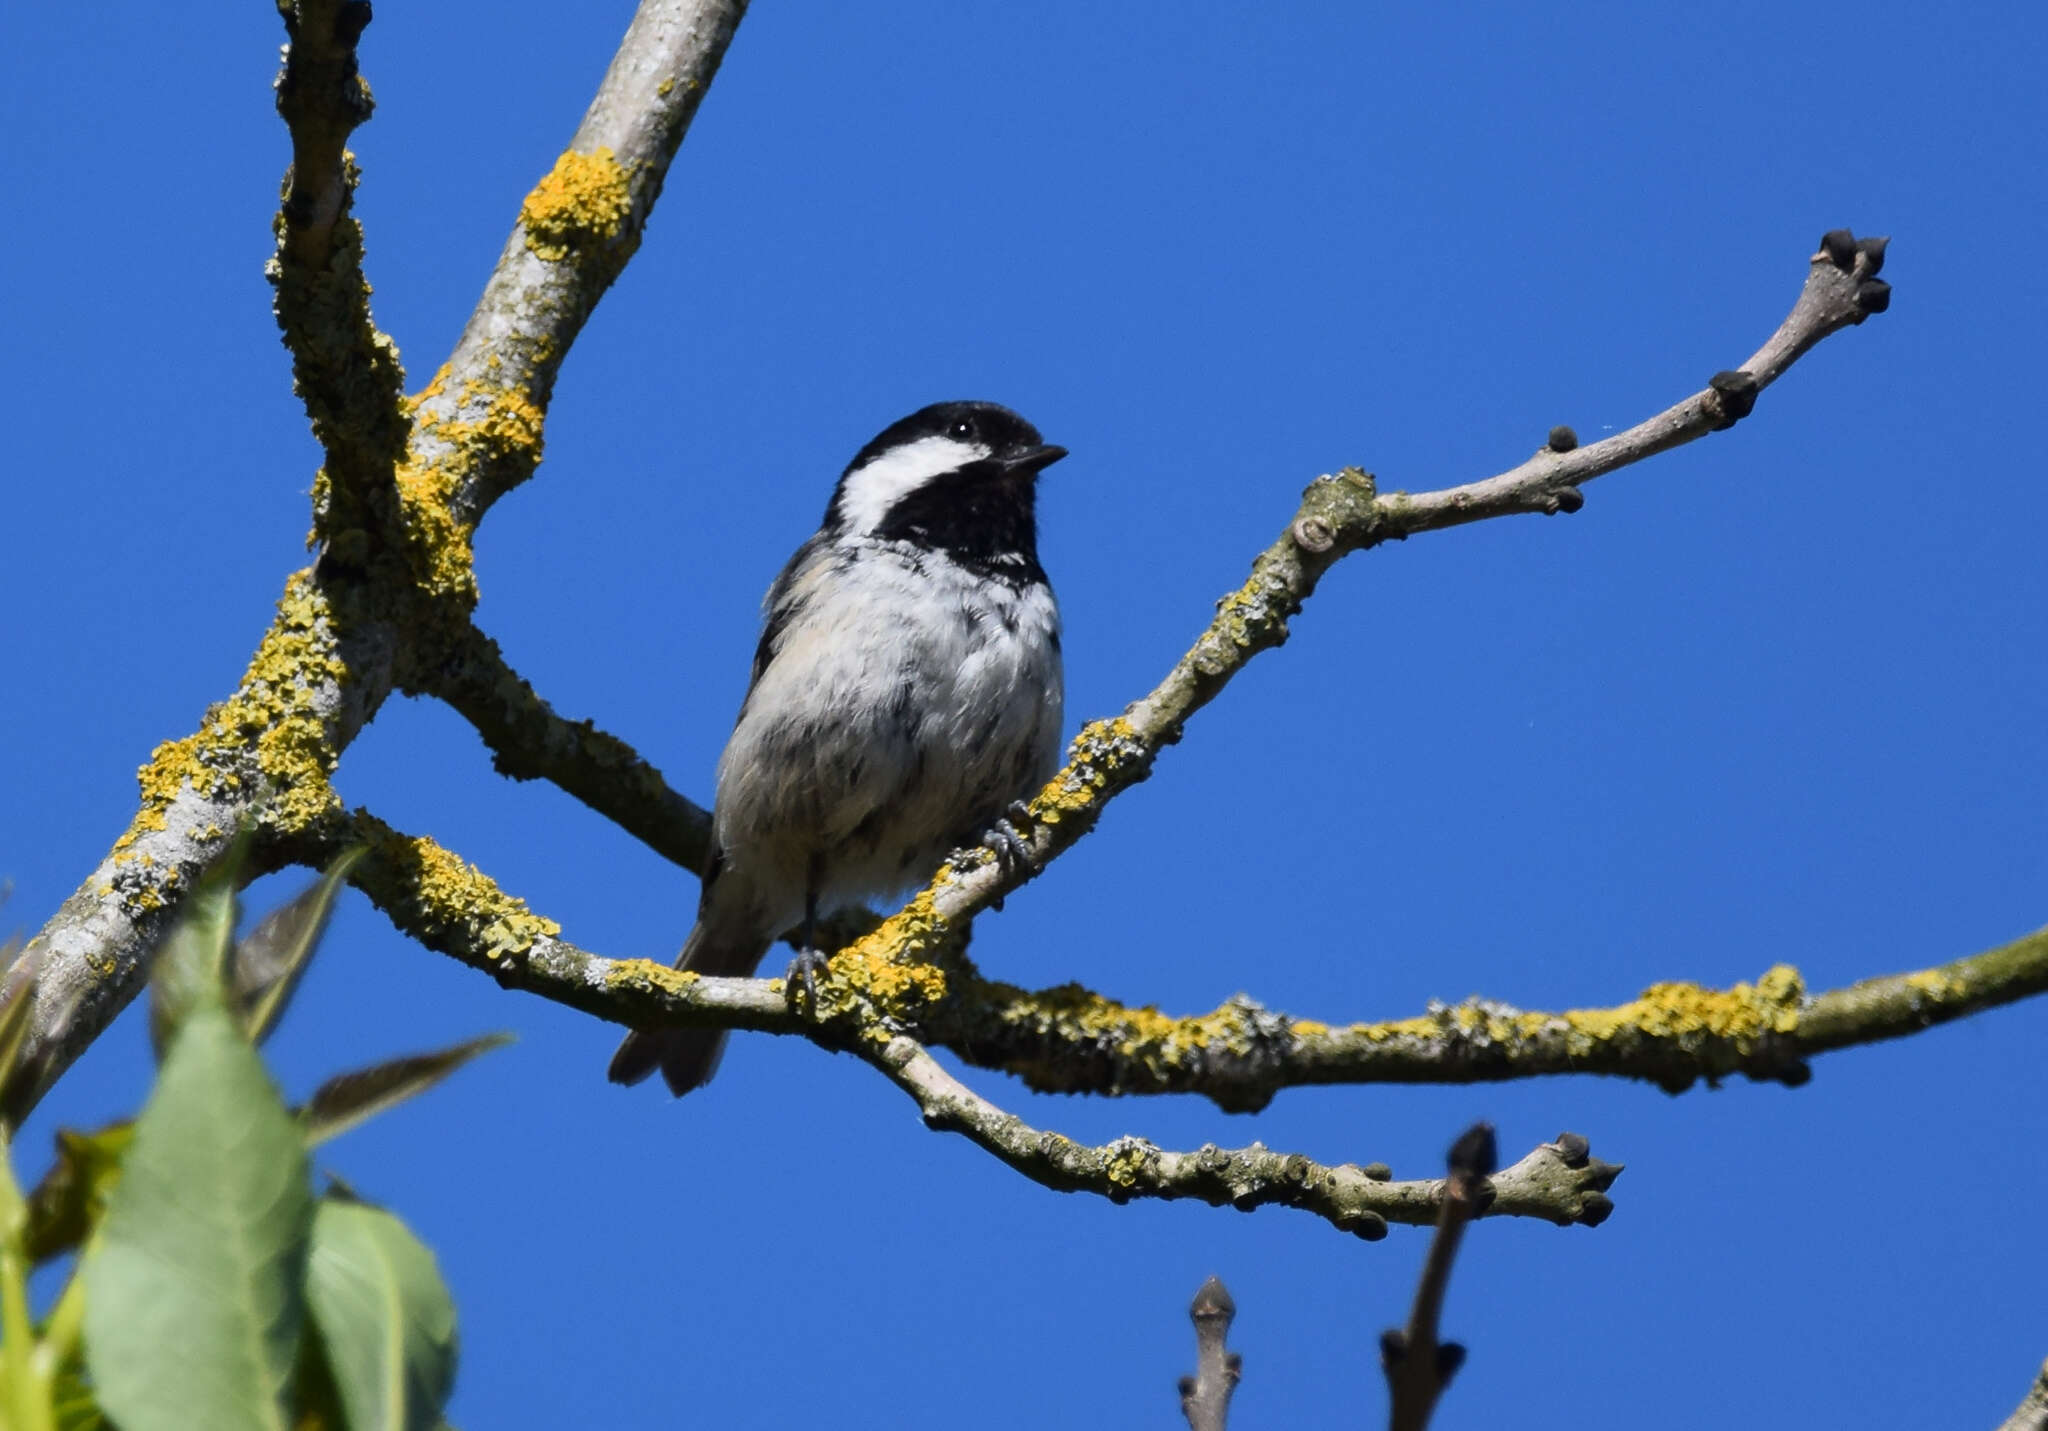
x=686, y=1057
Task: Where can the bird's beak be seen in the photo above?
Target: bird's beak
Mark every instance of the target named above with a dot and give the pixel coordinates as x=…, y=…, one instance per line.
x=1032, y=462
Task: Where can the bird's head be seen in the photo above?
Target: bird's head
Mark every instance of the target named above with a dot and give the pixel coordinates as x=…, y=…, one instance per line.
x=945, y=472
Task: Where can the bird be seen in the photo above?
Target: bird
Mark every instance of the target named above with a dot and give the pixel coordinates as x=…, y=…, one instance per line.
x=906, y=696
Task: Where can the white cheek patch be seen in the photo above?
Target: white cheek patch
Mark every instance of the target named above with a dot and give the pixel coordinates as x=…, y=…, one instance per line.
x=870, y=491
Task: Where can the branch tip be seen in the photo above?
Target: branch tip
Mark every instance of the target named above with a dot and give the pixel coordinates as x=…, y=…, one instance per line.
x=1476, y=1153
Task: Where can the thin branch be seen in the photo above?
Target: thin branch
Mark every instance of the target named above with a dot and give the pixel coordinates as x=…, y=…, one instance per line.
x=1347, y=513
x=1205, y=1396
x=1417, y=1364
x=346, y=371
x=575, y=232
x=1556, y=1182
x=528, y=740
x=1070, y=1040
x=2032, y=1412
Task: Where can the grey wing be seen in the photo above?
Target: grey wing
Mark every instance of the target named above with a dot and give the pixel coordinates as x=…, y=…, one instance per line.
x=784, y=602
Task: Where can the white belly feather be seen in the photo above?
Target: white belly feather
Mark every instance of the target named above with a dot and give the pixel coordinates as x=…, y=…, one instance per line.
x=896, y=720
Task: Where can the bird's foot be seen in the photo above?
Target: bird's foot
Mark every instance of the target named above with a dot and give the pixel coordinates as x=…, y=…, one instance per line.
x=803, y=974
x=1005, y=839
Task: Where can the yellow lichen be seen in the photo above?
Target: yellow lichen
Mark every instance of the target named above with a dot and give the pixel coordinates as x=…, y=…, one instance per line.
x=1676, y=1011
x=1237, y=613
x=891, y=968
x=1936, y=984
x=583, y=200
x=449, y=898
x=626, y=973
x=1101, y=749
x=1071, y=1013
x=510, y=430
x=272, y=729
x=1128, y=1160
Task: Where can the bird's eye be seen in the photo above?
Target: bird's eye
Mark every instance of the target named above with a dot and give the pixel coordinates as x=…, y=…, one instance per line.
x=963, y=429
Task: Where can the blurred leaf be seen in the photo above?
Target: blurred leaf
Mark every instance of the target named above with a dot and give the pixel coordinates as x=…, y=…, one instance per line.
x=192, y=965
x=269, y=963
x=314, y=1394
x=351, y=1098
x=17, y=1002
x=384, y=1316
x=194, y=1288
x=74, y=1404
x=72, y=1196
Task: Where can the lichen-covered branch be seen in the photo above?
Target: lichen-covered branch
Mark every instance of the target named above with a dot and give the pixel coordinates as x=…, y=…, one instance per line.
x=1545, y=1184
x=395, y=580
x=1071, y=1040
x=1347, y=513
x=2032, y=1412
x=529, y=740
x=261, y=757
x=449, y=905
x=576, y=231
x=346, y=372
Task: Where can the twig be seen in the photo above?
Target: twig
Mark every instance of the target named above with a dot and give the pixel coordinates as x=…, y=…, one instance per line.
x=1205, y=1396
x=2032, y=1412
x=1418, y=1366
x=528, y=740
x=1358, y=1200
x=1347, y=513
x=346, y=372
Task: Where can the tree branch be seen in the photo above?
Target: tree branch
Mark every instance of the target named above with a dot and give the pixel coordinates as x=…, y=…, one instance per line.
x=1205, y=1396
x=575, y=233
x=528, y=740
x=1347, y=513
x=2032, y=1412
x=1070, y=1040
x=346, y=371
x=448, y=905
x=346, y=628
x=1418, y=1366
x=262, y=757
x=1363, y=1201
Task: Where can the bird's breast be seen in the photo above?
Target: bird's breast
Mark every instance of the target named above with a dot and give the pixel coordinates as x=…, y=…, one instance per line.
x=906, y=704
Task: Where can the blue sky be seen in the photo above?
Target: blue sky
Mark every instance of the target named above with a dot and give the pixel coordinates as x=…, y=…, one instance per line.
x=1776, y=697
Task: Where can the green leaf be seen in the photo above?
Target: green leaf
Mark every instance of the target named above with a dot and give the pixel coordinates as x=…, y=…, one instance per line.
x=384, y=1315
x=192, y=965
x=72, y=1197
x=347, y=1099
x=194, y=1287
x=268, y=964
x=73, y=1402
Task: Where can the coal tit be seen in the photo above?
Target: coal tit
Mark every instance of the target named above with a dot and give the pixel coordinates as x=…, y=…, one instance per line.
x=906, y=692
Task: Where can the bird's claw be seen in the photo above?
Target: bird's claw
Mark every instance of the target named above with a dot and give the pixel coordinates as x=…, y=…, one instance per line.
x=1006, y=837
x=803, y=974
x=1005, y=840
